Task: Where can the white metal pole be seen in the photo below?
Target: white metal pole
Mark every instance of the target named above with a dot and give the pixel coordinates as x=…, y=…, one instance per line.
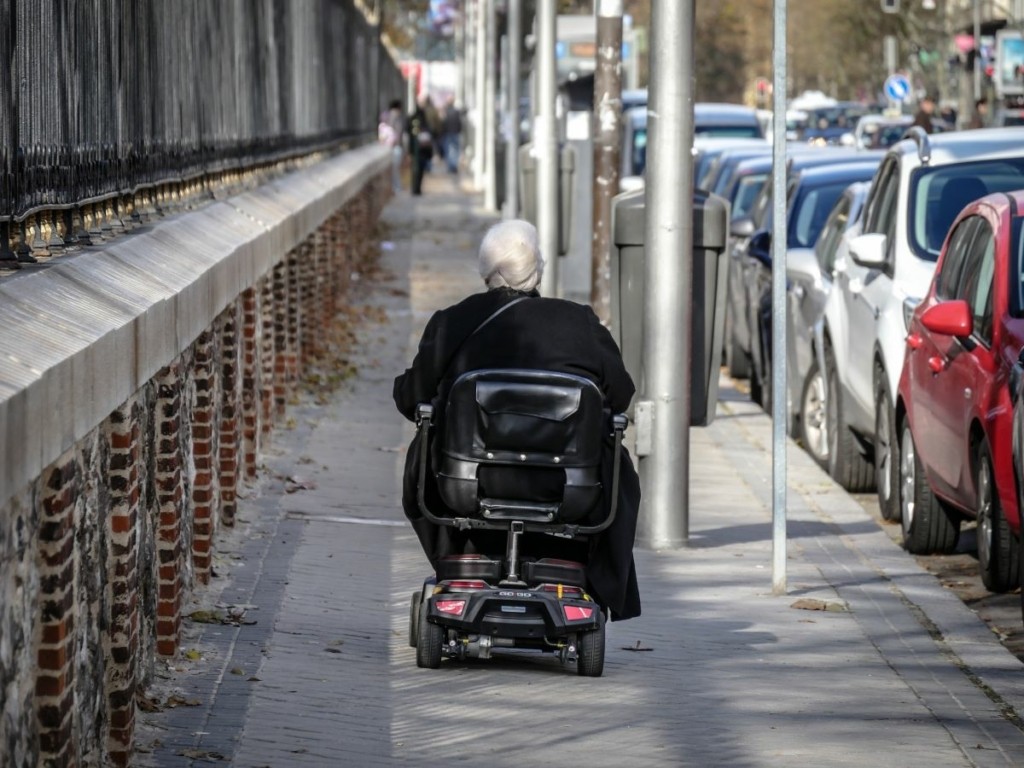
x=779, y=302
x=545, y=145
x=480, y=81
x=515, y=41
x=668, y=279
x=490, y=176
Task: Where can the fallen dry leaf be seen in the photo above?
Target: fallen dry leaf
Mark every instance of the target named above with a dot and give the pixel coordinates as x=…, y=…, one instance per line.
x=813, y=604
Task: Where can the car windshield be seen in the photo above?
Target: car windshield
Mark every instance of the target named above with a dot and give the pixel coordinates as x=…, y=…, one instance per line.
x=1017, y=253
x=883, y=135
x=810, y=212
x=939, y=193
x=746, y=193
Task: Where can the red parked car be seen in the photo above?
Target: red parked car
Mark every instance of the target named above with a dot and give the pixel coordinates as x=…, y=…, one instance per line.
x=955, y=412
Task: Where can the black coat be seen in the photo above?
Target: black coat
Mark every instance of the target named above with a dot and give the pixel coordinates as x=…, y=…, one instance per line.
x=540, y=333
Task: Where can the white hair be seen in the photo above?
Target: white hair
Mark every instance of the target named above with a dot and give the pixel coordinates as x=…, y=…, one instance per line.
x=510, y=256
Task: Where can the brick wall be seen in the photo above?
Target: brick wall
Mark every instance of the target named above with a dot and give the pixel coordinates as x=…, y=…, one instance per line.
x=98, y=555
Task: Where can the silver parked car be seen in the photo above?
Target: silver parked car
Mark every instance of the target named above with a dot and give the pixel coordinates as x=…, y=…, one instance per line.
x=809, y=274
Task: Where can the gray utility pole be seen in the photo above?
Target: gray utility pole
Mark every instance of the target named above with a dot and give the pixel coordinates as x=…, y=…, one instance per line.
x=545, y=145
x=480, y=81
x=513, y=79
x=779, y=247
x=490, y=69
x=977, y=49
x=668, y=277
x=607, y=137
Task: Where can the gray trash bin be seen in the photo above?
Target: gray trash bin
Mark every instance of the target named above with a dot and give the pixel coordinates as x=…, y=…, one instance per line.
x=528, y=190
x=710, y=264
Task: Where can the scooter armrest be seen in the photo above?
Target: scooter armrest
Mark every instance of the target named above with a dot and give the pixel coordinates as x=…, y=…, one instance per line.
x=424, y=413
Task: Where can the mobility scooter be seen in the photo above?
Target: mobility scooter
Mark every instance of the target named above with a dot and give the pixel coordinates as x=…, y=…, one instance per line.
x=519, y=452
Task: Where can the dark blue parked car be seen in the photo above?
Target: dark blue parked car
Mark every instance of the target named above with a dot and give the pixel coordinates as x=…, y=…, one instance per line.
x=811, y=194
x=740, y=331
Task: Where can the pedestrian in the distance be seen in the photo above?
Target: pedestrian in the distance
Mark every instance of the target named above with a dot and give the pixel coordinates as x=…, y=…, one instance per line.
x=434, y=126
x=389, y=133
x=924, y=114
x=421, y=145
x=980, y=117
x=451, y=130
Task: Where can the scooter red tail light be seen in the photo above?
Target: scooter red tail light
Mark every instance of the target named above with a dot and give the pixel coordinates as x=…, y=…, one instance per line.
x=576, y=612
x=466, y=584
x=451, y=607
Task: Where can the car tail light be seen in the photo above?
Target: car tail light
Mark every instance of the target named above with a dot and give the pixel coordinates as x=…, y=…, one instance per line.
x=577, y=612
x=450, y=607
x=465, y=584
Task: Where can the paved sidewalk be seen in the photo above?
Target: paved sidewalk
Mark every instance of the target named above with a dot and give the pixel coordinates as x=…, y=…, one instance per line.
x=717, y=671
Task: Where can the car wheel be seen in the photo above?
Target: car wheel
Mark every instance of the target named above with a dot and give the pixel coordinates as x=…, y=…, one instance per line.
x=590, y=652
x=766, y=378
x=1020, y=569
x=928, y=527
x=847, y=465
x=814, y=417
x=887, y=472
x=736, y=360
x=997, y=547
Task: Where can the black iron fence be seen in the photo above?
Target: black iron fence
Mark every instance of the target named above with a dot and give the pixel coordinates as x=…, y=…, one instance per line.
x=101, y=98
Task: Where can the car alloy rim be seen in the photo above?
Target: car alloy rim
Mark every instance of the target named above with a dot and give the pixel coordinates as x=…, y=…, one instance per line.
x=815, y=417
x=907, y=479
x=984, y=515
x=883, y=452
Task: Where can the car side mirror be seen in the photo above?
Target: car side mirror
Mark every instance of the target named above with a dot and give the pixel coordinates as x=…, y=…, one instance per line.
x=868, y=250
x=741, y=227
x=760, y=247
x=802, y=264
x=949, y=318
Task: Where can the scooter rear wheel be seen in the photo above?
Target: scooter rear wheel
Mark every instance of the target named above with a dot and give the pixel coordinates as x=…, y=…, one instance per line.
x=590, y=652
x=429, y=645
x=414, y=618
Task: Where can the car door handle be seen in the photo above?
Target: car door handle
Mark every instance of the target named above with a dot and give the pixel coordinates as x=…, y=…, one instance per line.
x=798, y=291
x=856, y=285
x=914, y=341
x=937, y=364
x=968, y=394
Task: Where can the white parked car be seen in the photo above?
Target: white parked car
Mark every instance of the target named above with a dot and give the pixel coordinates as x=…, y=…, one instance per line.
x=883, y=267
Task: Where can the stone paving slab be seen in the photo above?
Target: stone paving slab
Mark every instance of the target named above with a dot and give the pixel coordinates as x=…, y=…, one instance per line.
x=727, y=673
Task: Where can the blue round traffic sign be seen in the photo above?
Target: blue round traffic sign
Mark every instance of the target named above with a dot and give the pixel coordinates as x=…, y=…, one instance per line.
x=897, y=87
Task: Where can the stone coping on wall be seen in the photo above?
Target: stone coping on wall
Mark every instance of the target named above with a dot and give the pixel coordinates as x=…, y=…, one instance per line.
x=82, y=336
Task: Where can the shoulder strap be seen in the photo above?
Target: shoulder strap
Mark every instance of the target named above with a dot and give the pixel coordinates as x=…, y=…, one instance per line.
x=495, y=313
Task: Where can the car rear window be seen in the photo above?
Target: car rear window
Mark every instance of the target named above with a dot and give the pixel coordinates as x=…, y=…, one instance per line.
x=939, y=193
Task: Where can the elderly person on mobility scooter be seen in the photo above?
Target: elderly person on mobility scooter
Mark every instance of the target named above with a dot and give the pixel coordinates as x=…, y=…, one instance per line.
x=530, y=366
